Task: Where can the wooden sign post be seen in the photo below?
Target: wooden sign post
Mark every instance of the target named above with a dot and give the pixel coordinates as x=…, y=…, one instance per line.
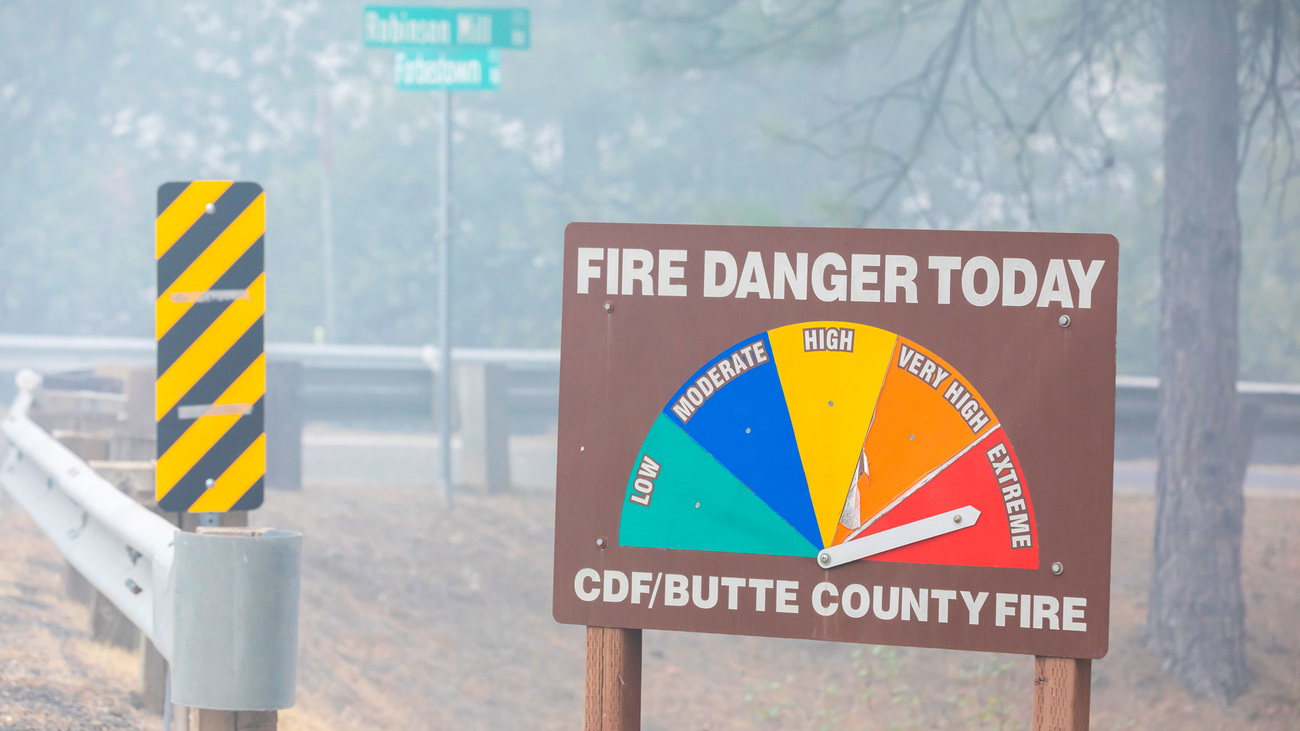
x=886, y=437
x=613, y=679
x=1062, y=690
x=1062, y=686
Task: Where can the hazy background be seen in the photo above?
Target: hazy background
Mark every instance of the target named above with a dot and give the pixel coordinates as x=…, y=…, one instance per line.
x=416, y=613
x=101, y=102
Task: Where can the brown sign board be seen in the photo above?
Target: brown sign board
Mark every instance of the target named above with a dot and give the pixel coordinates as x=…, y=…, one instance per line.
x=879, y=436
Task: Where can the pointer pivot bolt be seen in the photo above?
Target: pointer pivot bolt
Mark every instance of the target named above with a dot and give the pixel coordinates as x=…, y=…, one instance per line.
x=956, y=518
x=824, y=559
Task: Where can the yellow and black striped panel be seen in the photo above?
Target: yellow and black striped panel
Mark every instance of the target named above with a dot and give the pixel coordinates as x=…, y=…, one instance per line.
x=211, y=365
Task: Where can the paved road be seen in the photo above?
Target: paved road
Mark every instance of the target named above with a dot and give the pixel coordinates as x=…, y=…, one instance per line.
x=366, y=458
x=1139, y=477
x=348, y=457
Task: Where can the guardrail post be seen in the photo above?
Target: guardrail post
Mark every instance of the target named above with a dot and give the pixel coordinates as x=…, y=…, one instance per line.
x=182, y=717
x=266, y=624
x=133, y=438
x=110, y=626
x=153, y=678
x=203, y=719
x=107, y=623
x=483, y=392
x=75, y=586
x=284, y=417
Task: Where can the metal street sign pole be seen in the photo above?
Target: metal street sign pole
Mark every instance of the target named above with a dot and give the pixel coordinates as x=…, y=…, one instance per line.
x=445, y=49
x=326, y=212
x=444, y=299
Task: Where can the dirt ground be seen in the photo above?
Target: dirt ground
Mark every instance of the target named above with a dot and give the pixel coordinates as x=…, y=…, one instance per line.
x=51, y=675
x=417, y=616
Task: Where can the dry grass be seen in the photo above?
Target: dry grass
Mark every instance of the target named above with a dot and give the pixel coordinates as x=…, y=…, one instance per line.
x=51, y=675
x=415, y=617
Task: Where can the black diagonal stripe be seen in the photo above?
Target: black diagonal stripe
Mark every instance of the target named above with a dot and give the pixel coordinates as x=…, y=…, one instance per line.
x=252, y=500
x=204, y=231
x=168, y=193
x=213, y=383
x=217, y=460
x=200, y=316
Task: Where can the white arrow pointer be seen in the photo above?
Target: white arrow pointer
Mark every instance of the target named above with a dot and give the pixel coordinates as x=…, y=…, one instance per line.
x=903, y=535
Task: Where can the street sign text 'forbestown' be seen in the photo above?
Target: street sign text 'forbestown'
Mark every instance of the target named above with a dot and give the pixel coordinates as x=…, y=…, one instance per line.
x=456, y=69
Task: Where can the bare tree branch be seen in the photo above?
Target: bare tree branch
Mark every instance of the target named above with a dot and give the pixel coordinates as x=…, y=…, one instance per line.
x=1075, y=74
x=953, y=41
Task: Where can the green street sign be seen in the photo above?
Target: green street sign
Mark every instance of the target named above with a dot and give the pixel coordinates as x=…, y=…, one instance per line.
x=452, y=69
x=390, y=26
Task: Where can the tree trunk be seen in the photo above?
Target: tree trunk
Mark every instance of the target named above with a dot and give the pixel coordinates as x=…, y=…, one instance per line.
x=1196, y=620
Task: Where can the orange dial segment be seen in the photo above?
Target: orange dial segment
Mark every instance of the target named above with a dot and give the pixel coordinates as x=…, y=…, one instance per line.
x=926, y=416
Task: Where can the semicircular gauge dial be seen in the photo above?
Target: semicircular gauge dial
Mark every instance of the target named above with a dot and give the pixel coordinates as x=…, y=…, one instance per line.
x=832, y=440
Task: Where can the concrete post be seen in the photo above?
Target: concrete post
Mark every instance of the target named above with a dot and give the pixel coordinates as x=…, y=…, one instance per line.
x=483, y=392
x=284, y=418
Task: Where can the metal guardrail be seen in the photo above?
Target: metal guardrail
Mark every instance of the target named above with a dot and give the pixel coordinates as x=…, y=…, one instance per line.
x=340, y=382
x=368, y=382
x=61, y=352
x=1278, y=404
x=134, y=558
x=118, y=545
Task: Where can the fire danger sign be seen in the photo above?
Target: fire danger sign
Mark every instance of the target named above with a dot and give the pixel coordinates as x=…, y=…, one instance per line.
x=894, y=437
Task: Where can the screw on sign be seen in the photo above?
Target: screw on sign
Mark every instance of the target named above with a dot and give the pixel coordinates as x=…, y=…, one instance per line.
x=846, y=435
